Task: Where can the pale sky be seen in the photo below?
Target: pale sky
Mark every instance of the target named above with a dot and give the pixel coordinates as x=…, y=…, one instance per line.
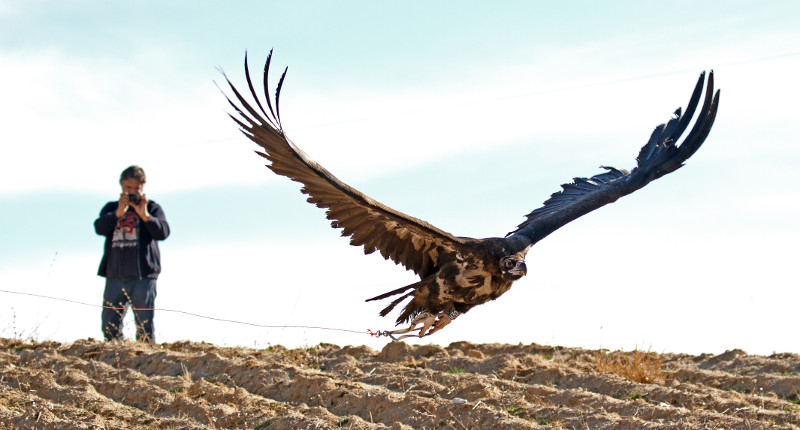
x=465, y=114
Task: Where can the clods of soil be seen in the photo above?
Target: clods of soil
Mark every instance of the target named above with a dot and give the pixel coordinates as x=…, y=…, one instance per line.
x=90, y=384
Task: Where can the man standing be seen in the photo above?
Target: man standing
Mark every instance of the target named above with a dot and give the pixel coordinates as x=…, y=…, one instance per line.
x=131, y=259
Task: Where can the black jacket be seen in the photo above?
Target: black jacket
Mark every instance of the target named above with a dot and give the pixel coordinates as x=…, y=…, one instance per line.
x=149, y=261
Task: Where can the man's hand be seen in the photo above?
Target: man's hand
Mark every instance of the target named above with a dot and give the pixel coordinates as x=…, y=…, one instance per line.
x=122, y=205
x=141, y=208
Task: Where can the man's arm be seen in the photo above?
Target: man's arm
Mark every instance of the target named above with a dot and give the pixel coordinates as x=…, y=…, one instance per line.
x=105, y=223
x=156, y=223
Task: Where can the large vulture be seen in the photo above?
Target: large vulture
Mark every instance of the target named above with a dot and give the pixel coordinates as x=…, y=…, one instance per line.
x=457, y=273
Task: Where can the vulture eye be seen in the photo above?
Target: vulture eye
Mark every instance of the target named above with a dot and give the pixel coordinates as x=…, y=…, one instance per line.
x=509, y=263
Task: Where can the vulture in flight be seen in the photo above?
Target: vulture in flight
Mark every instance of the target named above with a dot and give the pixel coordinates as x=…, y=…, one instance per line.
x=458, y=273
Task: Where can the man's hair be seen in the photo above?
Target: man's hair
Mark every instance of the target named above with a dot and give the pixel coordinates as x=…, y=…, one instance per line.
x=134, y=172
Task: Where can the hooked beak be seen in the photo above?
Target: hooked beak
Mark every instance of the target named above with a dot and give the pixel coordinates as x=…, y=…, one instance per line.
x=520, y=269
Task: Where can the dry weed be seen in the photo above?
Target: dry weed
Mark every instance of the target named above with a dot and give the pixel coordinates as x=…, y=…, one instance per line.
x=638, y=366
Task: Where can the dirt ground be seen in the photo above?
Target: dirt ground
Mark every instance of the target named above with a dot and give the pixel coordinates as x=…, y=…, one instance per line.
x=90, y=384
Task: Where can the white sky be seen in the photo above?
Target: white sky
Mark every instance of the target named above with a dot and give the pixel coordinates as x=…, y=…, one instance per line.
x=429, y=109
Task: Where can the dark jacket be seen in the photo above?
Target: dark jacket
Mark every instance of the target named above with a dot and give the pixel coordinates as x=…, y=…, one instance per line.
x=149, y=261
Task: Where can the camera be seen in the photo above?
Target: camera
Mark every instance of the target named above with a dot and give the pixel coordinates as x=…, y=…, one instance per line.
x=134, y=198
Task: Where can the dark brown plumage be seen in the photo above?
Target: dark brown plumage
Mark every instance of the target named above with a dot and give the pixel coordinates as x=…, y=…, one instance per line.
x=458, y=273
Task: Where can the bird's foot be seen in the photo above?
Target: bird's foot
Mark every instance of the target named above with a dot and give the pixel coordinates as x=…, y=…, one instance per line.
x=429, y=322
x=435, y=323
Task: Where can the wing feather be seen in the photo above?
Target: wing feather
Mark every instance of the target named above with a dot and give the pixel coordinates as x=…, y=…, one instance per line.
x=659, y=156
x=399, y=237
x=250, y=86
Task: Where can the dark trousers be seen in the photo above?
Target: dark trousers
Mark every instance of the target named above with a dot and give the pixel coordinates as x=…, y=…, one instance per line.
x=140, y=294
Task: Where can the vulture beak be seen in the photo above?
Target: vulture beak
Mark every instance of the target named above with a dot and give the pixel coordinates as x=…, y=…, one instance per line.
x=520, y=269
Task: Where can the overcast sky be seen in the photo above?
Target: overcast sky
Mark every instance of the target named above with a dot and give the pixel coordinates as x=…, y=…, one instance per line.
x=465, y=114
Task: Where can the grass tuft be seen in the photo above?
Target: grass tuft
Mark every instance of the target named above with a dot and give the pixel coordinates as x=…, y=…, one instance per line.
x=638, y=366
x=517, y=411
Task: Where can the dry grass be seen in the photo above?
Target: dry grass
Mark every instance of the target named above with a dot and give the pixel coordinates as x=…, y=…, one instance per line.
x=636, y=365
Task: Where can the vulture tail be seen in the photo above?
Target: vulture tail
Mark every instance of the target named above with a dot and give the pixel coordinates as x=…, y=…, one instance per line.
x=398, y=291
x=395, y=302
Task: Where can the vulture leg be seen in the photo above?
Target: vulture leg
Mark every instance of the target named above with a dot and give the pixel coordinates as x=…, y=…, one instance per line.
x=428, y=321
x=444, y=319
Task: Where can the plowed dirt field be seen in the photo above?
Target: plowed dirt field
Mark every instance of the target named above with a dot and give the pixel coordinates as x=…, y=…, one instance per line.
x=90, y=384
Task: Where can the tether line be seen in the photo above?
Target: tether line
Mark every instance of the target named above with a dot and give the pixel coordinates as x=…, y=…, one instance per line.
x=184, y=313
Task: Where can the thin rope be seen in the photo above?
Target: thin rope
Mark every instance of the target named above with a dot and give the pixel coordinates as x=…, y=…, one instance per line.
x=369, y=332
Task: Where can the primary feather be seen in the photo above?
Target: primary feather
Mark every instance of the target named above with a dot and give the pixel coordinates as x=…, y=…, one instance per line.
x=458, y=273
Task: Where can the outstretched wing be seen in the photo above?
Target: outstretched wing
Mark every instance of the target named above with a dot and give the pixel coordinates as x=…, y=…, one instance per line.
x=660, y=156
x=405, y=240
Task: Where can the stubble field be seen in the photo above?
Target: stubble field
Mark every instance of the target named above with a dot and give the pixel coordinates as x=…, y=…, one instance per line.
x=90, y=384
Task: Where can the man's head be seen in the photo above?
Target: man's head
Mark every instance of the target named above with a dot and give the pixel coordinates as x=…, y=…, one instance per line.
x=132, y=180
